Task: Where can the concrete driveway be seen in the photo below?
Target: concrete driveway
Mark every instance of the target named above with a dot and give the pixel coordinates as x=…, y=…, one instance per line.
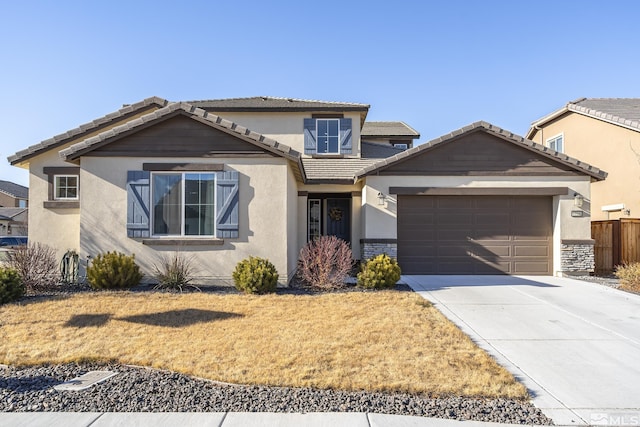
x=574, y=344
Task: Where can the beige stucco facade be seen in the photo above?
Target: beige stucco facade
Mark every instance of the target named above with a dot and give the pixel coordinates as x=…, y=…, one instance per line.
x=265, y=227
x=287, y=128
x=608, y=146
x=380, y=221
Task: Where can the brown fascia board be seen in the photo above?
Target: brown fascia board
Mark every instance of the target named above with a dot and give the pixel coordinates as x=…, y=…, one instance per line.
x=180, y=108
x=497, y=131
x=98, y=123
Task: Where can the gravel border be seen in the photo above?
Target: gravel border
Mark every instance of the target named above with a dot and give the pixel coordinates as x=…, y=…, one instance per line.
x=137, y=389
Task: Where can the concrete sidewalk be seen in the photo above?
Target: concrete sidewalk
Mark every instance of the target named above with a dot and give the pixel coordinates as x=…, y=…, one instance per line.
x=575, y=345
x=222, y=419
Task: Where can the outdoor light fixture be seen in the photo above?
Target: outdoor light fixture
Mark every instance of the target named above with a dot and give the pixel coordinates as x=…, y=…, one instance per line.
x=381, y=199
x=577, y=200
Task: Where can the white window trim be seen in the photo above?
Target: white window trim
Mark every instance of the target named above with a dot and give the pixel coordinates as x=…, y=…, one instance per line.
x=309, y=202
x=318, y=138
x=401, y=145
x=55, y=186
x=555, y=138
x=182, y=205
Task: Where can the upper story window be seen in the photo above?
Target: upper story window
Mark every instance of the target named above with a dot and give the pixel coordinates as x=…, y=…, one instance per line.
x=183, y=204
x=65, y=187
x=328, y=131
x=327, y=136
x=556, y=143
x=22, y=203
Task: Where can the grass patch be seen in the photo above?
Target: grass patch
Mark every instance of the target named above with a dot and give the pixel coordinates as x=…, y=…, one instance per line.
x=383, y=341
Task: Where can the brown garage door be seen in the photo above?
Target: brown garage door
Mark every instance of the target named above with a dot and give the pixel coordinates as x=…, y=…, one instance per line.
x=474, y=235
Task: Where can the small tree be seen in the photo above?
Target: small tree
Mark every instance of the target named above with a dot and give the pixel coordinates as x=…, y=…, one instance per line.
x=36, y=265
x=325, y=263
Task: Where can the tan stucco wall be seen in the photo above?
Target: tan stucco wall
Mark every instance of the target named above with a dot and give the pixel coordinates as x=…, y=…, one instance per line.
x=59, y=228
x=264, y=225
x=380, y=221
x=612, y=148
x=288, y=128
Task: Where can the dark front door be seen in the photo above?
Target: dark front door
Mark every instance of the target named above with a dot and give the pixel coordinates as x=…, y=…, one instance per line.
x=338, y=218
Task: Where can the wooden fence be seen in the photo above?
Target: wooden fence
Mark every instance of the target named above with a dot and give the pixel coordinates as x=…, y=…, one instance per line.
x=617, y=242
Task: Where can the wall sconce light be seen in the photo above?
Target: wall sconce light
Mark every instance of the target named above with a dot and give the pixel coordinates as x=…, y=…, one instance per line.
x=381, y=199
x=627, y=212
x=577, y=200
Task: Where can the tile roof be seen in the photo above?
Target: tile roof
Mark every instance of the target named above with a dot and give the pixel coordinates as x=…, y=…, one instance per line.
x=619, y=111
x=79, y=149
x=10, y=213
x=270, y=103
x=63, y=138
x=16, y=190
x=388, y=129
x=487, y=127
x=326, y=170
x=371, y=150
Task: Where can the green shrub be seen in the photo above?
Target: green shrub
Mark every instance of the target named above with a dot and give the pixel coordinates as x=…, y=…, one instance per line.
x=113, y=270
x=325, y=263
x=255, y=276
x=629, y=275
x=11, y=286
x=379, y=272
x=174, y=272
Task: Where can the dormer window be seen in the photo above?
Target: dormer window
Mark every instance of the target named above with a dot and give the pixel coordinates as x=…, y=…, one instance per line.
x=328, y=131
x=326, y=136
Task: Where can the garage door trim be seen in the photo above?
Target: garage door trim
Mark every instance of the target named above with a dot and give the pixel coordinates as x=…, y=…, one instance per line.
x=479, y=191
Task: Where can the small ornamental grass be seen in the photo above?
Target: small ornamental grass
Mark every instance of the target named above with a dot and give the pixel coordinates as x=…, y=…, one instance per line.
x=11, y=287
x=325, y=263
x=113, y=270
x=255, y=275
x=174, y=271
x=379, y=272
x=629, y=275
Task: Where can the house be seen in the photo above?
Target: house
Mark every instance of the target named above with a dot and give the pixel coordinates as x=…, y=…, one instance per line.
x=13, y=221
x=605, y=131
x=13, y=195
x=229, y=178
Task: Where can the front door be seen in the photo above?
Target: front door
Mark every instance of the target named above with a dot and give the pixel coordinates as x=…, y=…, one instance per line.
x=329, y=215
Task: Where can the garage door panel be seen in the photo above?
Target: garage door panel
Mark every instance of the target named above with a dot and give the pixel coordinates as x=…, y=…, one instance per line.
x=532, y=251
x=475, y=234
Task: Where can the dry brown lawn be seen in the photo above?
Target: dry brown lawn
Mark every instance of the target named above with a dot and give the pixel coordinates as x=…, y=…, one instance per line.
x=382, y=341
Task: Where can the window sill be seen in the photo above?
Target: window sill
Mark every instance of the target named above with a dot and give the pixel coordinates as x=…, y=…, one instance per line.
x=182, y=242
x=328, y=156
x=58, y=204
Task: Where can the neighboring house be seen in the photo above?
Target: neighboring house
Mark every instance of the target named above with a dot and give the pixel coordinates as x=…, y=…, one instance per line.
x=604, y=131
x=13, y=195
x=13, y=221
x=226, y=179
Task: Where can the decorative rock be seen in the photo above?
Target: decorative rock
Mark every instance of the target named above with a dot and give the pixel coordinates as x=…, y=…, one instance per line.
x=140, y=390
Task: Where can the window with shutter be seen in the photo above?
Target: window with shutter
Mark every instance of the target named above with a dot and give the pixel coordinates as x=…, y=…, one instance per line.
x=327, y=136
x=189, y=204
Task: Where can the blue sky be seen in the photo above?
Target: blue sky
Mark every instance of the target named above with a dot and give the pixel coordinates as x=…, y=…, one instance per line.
x=438, y=65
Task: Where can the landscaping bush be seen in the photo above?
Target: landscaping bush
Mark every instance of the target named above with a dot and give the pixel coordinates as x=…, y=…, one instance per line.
x=255, y=276
x=11, y=287
x=36, y=265
x=325, y=263
x=113, y=270
x=629, y=275
x=379, y=272
x=174, y=272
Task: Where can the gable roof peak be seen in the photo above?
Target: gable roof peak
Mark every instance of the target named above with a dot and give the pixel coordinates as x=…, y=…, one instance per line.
x=497, y=131
x=58, y=140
